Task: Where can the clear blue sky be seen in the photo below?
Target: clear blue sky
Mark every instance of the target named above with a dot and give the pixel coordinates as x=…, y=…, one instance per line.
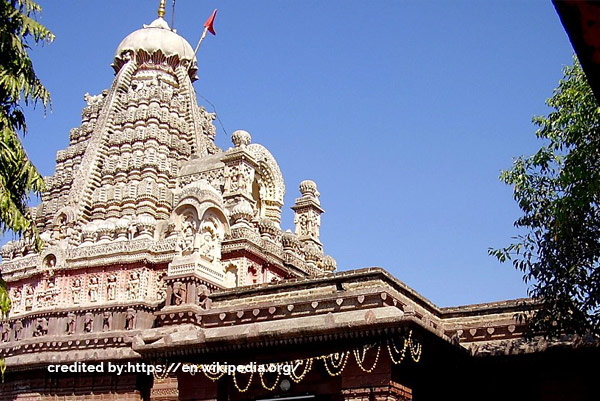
x=403, y=112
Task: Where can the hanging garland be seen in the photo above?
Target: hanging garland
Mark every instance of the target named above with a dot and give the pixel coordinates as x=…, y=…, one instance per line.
x=262, y=381
x=334, y=363
x=307, y=367
x=212, y=377
x=338, y=361
x=361, y=359
x=235, y=383
x=391, y=344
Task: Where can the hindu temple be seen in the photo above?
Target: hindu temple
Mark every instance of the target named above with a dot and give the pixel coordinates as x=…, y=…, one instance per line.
x=164, y=253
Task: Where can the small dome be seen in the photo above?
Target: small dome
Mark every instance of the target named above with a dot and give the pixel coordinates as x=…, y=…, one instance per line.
x=241, y=138
x=309, y=188
x=154, y=37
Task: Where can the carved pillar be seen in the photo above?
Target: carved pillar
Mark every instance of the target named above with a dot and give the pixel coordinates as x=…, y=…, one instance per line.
x=240, y=168
x=166, y=389
x=391, y=392
x=307, y=214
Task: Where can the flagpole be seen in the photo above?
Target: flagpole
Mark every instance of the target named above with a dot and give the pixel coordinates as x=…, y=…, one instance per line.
x=208, y=27
x=201, y=39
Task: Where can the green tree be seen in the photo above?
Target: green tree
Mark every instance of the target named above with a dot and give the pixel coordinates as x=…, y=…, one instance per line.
x=558, y=191
x=19, y=85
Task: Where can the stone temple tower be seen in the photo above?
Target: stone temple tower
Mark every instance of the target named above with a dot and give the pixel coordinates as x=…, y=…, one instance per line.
x=145, y=213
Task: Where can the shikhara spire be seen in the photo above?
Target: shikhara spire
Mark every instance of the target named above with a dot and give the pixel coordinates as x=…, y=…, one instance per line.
x=143, y=194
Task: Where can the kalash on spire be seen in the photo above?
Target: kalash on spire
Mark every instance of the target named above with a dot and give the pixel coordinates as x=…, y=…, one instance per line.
x=146, y=214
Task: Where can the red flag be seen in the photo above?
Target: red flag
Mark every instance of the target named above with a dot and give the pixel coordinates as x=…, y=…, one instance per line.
x=209, y=22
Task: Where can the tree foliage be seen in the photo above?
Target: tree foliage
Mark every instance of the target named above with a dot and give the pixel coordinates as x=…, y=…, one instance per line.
x=19, y=85
x=558, y=191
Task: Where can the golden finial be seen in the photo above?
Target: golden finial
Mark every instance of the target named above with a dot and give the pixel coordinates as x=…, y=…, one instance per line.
x=161, y=8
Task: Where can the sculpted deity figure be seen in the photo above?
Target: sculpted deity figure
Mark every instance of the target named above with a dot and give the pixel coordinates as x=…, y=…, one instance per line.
x=188, y=235
x=41, y=327
x=178, y=293
x=93, y=289
x=210, y=247
x=106, y=318
x=204, y=300
x=241, y=179
x=231, y=276
x=16, y=299
x=307, y=224
x=133, y=287
x=131, y=231
x=111, y=288
x=5, y=333
x=18, y=329
x=88, y=323
x=28, y=298
x=71, y=321
x=76, y=290
x=130, y=319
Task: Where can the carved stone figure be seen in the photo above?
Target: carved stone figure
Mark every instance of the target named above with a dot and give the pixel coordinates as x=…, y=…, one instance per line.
x=88, y=323
x=76, y=291
x=204, y=300
x=187, y=237
x=16, y=299
x=133, y=287
x=93, y=289
x=210, y=247
x=40, y=327
x=71, y=321
x=18, y=329
x=178, y=293
x=5, y=332
x=130, y=319
x=28, y=298
x=106, y=321
x=131, y=231
x=231, y=276
x=111, y=288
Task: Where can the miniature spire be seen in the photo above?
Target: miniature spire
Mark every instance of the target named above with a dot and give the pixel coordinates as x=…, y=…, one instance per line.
x=161, y=8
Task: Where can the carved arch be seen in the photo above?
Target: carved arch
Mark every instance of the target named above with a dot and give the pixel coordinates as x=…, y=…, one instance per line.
x=270, y=185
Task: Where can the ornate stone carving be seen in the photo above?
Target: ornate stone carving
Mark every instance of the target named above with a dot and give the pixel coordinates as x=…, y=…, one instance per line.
x=76, y=291
x=28, y=297
x=88, y=323
x=204, y=300
x=209, y=246
x=231, y=276
x=130, y=319
x=111, y=287
x=187, y=238
x=106, y=321
x=71, y=323
x=16, y=300
x=179, y=293
x=241, y=138
x=161, y=287
x=18, y=329
x=133, y=286
x=5, y=332
x=40, y=327
x=93, y=287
